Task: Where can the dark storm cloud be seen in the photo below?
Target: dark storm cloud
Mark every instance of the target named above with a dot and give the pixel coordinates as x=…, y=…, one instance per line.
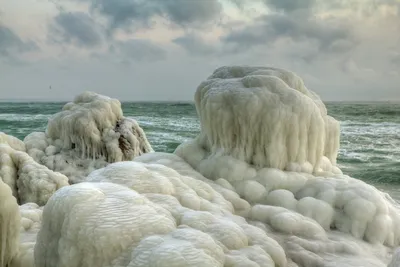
x=126, y=13
x=11, y=46
x=138, y=50
x=75, y=28
x=195, y=45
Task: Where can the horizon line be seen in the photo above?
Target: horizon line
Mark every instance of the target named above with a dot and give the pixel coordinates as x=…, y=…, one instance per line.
x=66, y=101
x=175, y=101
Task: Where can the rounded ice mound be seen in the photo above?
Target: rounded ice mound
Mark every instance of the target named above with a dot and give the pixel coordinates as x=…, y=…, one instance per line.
x=158, y=179
x=87, y=134
x=267, y=118
x=241, y=207
x=106, y=224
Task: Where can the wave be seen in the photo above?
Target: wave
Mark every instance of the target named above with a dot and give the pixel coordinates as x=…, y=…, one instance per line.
x=369, y=124
x=15, y=117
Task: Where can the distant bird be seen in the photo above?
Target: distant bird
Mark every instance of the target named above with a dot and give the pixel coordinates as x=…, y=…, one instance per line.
x=50, y=87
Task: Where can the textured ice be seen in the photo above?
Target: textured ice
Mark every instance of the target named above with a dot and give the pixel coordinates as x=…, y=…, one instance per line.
x=87, y=134
x=266, y=117
x=175, y=227
x=199, y=226
x=259, y=186
x=297, y=210
x=9, y=226
x=395, y=262
x=12, y=141
x=29, y=180
x=31, y=219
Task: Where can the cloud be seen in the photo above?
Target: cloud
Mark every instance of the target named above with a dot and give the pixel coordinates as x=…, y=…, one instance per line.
x=195, y=45
x=290, y=5
x=395, y=58
x=345, y=50
x=12, y=47
x=329, y=35
x=138, y=50
x=140, y=13
x=76, y=28
x=357, y=72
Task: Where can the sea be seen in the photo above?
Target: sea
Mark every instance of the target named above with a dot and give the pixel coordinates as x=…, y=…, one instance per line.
x=370, y=132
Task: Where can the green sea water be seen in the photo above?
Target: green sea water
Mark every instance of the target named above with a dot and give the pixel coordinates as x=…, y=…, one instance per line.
x=370, y=132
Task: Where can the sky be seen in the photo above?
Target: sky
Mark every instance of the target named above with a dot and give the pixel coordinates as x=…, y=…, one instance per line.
x=161, y=50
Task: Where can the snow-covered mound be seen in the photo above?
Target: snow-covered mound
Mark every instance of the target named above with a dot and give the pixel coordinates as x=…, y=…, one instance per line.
x=87, y=134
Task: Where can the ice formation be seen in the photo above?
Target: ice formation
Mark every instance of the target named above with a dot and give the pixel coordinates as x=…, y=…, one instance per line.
x=29, y=180
x=12, y=141
x=9, y=226
x=259, y=186
x=184, y=219
x=87, y=134
x=318, y=221
x=267, y=118
x=395, y=262
x=31, y=219
x=164, y=219
x=9, y=144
